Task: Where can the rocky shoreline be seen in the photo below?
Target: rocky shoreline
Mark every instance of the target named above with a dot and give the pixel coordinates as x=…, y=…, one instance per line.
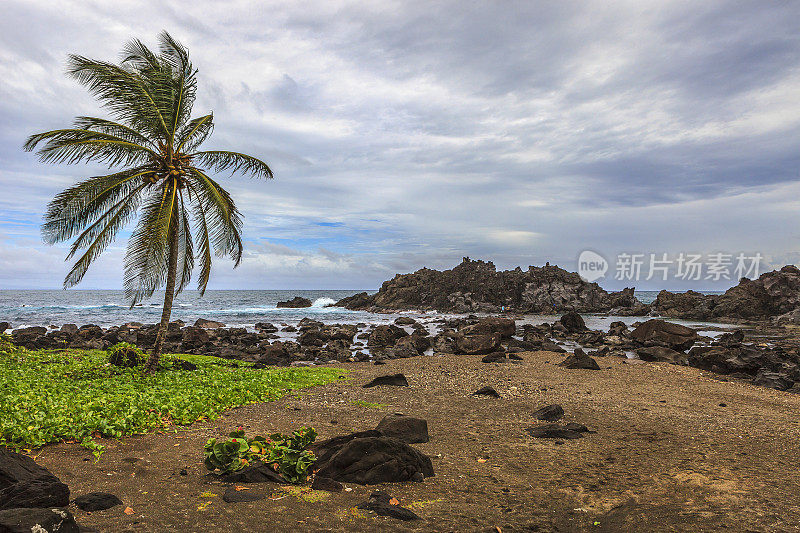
x=762, y=356
x=765, y=352
x=476, y=286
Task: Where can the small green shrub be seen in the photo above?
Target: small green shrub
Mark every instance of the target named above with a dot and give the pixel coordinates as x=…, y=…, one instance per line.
x=7, y=346
x=126, y=355
x=286, y=454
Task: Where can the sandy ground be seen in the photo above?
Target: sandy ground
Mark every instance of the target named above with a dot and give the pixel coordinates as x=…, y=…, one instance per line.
x=666, y=455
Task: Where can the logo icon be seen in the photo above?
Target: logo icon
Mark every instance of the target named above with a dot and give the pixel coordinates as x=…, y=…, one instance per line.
x=591, y=266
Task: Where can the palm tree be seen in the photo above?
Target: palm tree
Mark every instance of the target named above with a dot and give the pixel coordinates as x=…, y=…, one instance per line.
x=164, y=177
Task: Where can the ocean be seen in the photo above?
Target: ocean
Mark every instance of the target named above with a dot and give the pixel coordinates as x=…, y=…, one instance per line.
x=242, y=308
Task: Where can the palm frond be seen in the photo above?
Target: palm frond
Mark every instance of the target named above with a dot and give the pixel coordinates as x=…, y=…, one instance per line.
x=148, y=248
x=194, y=133
x=219, y=160
x=141, y=102
x=73, y=209
x=185, y=246
x=75, y=145
x=99, y=235
x=113, y=128
x=220, y=214
x=205, y=246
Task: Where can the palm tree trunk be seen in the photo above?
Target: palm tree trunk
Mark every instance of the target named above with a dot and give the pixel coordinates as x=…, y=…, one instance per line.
x=169, y=295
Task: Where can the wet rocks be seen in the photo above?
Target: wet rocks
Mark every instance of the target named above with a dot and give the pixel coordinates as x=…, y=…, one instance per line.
x=97, y=501
x=396, y=380
x=573, y=322
x=668, y=334
x=407, y=429
x=579, y=360
x=372, y=460
x=550, y=413
x=297, y=302
x=385, y=336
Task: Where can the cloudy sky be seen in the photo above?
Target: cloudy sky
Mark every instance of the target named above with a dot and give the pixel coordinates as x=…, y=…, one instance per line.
x=410, y=134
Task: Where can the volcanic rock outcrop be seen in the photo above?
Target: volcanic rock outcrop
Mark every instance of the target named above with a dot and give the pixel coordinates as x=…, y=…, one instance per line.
x=477, y=286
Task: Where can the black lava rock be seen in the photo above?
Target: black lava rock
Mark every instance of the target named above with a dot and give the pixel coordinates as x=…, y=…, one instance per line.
x=487, y=391
x=405, y=428
x=397, y=380
x=97, y=501
x=550, y=413
x=372, y=460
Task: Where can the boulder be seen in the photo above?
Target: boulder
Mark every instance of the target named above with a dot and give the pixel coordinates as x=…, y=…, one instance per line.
x=573, y=322
x=208, y=324
x=661, y=333
x=23, y=483
x=372, y=460
x=327, y=484
x=404, y=428
x=381, y=504
x=97, y=501
x=550, y=346
x=487, y=391
x=397, y=380
x=325, y=449
x=773, y=380
x=37, y=520
x=4, y=326
x=32, y=337
x=689, y=304
x=193, y=337
x=385, y=336
x=477, y=344
x=661, y=354
x=501, y=357
x=489, y=326
x=266, y=327
x=579, y=360
x=550, y=413
x=557, y=431
x=297, y=302
x=404, y=321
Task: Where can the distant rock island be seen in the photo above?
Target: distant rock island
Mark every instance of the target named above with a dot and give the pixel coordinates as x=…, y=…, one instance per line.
x=477, y=286
x=774, y=294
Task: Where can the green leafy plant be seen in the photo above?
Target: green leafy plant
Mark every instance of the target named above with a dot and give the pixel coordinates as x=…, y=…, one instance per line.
x=286, y=454
x=74, y=396
x=126, y=355
x=228, y=455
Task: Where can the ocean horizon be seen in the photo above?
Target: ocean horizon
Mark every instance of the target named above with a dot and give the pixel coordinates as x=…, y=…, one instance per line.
x=243, y=308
